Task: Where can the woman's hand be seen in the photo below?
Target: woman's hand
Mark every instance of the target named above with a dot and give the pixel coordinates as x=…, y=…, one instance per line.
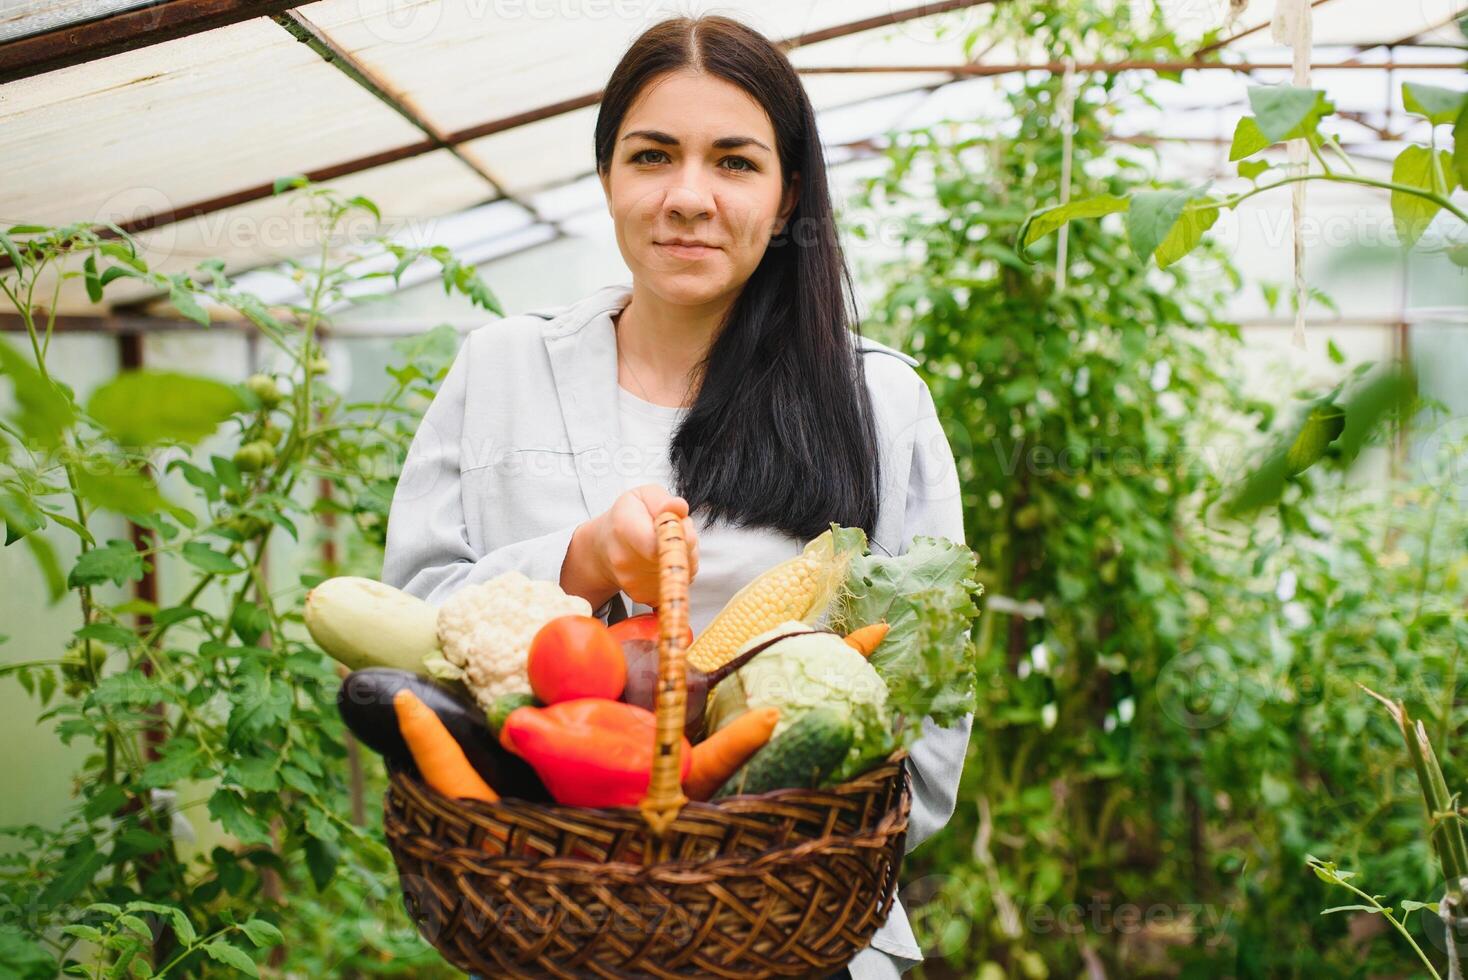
x=617, y=550
x=625, y=540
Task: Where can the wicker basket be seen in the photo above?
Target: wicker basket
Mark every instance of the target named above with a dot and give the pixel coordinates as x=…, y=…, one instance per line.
x=791, y=883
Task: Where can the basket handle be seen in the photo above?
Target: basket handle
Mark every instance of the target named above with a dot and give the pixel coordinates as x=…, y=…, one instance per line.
x=665, y=797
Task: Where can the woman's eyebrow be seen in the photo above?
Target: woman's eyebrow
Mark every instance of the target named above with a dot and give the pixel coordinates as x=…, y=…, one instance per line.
x=722, y=143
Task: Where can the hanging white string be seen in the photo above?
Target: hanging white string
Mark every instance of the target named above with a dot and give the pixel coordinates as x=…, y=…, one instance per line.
x=1291, y=25
x=1067, y=118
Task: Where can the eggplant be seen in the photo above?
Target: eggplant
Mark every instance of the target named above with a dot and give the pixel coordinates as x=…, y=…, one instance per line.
x=642, y=679
x=365, y=701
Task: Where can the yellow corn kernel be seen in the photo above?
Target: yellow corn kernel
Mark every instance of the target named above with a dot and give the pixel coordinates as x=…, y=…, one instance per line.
x=800, y=588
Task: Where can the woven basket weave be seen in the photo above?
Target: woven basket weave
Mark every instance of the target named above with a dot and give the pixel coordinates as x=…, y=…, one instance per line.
x=791, y=883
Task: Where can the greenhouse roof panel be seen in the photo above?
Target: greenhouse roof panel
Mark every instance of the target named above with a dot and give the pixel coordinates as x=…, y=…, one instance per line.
x=160, y=127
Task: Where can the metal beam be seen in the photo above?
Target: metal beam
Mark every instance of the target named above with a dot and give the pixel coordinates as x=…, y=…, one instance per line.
x=127, y=30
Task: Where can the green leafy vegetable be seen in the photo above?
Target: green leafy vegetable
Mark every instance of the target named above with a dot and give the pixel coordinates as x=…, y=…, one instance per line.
x=926, y=596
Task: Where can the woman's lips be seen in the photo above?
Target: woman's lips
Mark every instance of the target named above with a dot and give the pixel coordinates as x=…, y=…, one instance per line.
x=688, y=251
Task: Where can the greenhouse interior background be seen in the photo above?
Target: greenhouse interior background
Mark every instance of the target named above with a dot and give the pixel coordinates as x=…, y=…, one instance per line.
x=470, y=126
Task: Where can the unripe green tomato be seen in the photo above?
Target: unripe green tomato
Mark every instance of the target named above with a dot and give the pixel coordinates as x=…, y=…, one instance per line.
x=254, y=455
x=76, y=671
x=271, y=433
x=264, y=388
x=318, y=365
x=246, y=525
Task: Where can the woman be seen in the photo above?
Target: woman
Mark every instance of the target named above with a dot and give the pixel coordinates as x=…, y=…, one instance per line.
x=723, y=382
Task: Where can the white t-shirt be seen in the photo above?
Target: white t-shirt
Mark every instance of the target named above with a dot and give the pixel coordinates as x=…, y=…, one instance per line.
x=728, y=557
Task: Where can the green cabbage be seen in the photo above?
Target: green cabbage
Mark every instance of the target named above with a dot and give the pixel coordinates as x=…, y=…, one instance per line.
x=809, y=670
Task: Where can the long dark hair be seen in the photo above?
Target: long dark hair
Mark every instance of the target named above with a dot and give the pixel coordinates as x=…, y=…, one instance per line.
x=781, y=433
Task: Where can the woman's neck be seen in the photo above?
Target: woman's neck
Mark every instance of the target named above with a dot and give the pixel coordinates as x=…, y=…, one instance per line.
x=662, y=344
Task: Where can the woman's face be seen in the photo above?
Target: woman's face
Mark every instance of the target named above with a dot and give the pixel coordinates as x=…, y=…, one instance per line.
x=695, y=160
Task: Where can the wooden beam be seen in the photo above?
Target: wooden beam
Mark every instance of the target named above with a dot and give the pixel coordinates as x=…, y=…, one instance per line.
x=127, y=30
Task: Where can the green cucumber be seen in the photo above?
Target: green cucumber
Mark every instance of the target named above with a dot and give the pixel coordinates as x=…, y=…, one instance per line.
x=801, y=756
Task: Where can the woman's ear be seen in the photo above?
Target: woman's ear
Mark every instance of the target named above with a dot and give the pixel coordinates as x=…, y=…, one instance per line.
x=606, y=188
x=788, y=201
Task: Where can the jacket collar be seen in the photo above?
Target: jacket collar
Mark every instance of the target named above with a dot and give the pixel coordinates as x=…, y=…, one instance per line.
x=582, y=346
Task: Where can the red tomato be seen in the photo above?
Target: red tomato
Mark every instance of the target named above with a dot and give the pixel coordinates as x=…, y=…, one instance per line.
x=644, y=627
x=575, y=657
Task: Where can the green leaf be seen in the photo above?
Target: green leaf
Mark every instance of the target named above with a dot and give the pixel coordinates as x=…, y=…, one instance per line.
x=232, y=956
x=1460, y=147
x=1285, y=112
x=229, y=809
x=116, y=561
x=249, y=622
x=1249, y=169
x=181, y=295
x=135, y=841
x=181, y=757
x=1187, y=232
x=365, y=204
x=1413, y=168
x=1439, y=105
x=1247, y=140
x=78, y=867
x=1334, y=353
x=89, y=274
x=123, y=491
x=9, y=247
x=291, y=182
x=144, y=408
x=262, y=933
x=22, y=959
x=1369, y=401
x=321, y=859
x=1322, y=426
x=49, y=565
x=21, y=517
x=45, y=410
x=1041, y=223
x=254, y=774
x=206, y=559
x=105, y=802
x=1152, y=217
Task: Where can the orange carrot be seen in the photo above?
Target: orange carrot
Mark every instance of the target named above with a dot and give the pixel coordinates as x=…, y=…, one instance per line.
x=866, y=640
x=720, y=755
x=438, y=755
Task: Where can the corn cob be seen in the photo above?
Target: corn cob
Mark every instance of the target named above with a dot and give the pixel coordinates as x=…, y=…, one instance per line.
x=800, y=588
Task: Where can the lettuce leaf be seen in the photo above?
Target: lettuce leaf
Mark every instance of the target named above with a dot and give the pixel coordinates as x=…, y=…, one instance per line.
x=927, y=597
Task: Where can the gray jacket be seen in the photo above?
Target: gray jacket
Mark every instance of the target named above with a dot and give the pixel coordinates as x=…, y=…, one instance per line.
x=520, y=447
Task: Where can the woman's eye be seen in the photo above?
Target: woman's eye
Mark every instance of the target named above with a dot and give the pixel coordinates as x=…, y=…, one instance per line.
x=637, y=157
x=747, y=164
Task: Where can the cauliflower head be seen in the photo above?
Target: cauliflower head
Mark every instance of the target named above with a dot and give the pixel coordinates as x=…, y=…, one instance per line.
x=484, y=630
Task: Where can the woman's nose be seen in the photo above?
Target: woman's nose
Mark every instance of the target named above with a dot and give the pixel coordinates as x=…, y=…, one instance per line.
x=688, y=202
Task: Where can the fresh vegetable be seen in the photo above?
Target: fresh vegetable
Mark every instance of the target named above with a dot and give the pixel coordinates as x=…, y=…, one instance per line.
x=485, y=630
x=801, y=588
x=644, y=627
x=866, y=640
x=437, y=755
x=589, y=751
x=364, y=623
x=720, y=755
x=502, y=707
x=927, y=596
x=575, y=657
x=642, y=680
x=808, y=670
x=805, y=755
x=365, y=701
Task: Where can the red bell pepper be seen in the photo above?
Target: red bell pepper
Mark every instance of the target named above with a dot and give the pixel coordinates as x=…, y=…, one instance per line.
x=589, y=751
